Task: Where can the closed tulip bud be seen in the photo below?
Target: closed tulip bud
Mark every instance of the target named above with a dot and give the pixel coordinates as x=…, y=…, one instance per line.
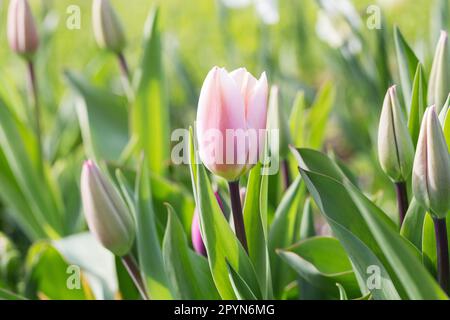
x=431, y=170
x=444, y=111
x=439, y=84
x=106, y=214
x=22, y=34
x=108, y=30
x=277, y=120
x=197, y=240
x=196, y=235
x=395, y=147
x=231, y=121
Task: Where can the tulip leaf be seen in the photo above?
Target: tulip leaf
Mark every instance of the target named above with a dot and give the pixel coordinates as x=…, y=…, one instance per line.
x=323, y=262
x=49, y=275
x=297, y=120
x=418, y=103
x=221, y=243
x=367, y=234
x=35, y=184
x=255, y=221
x=189, y=273
x=342, y=293
x=13, y=197
x=429, y=253
x=150, y=110
x=102, y=117
x=413, y=224
x=318, y=115
x=307, y=229
x=95, y=262
x=282, y=233
x=149, y=247
x=10, y=296
x=407, y=63
x=241, y=288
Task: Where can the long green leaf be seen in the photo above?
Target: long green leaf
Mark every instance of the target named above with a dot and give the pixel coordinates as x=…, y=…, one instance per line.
x=283, y=233
x=255, y=220
x=189, y=273
x=413, y=224
x=151, y=112
x=407, y=63
x=367, y=234
x=323, y=262
x=418, y=103
x=45, y=204
x=102, y=117
x=149, y=247
x=221, y=243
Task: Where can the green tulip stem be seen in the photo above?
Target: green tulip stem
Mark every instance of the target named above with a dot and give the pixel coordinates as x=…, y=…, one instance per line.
x=133, y=270
x=402, y=200
x=440, y=229
x=37, y=110
x=286, y=174
x=126, y=75
x=238, y=218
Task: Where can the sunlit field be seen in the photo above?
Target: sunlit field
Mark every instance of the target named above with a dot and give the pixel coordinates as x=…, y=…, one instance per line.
x=224, y=149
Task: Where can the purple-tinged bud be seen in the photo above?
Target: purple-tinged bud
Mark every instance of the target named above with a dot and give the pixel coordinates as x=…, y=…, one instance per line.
x=431, y=170
x=108, y=30
x=22, y=33
x=197, y=241
x=106, y=213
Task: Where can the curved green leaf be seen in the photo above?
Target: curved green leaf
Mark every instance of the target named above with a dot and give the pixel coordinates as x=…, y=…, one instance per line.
x=220, y=241
x=283, y=232
x=189, y=273
x=323, y=262
x=150, y=110
x=368, y=235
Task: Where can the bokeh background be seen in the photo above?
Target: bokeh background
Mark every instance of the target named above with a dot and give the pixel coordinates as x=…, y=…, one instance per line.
x=301, y=44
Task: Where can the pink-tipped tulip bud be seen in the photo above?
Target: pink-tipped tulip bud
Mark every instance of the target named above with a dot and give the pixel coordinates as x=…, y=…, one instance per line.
x=108, y=30
x=431, y=170
x=196, y=235
x=231, y=121
x=197, y=240
x=22, y=34
x=395, y=147
x=105, y=211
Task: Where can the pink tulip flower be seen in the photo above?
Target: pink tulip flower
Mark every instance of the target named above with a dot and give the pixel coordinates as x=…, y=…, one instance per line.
x=197, y=240
x=231, y=121
x=22, y=34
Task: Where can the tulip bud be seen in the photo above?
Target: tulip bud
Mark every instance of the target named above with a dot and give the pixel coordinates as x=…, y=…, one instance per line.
x=439, y=84
x=444, y=111
x=22, y=34
x=231, y=119
x=431, y=170
x=277, y=120
x=108, y=30
x=196, y=235
x=395, y=147
x=106, y=213
x=197, y=240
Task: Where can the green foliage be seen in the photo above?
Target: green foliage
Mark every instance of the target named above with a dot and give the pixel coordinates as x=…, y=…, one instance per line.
x=332, y=86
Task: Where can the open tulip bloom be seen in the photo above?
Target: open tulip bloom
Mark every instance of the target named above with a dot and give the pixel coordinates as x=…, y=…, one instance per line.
x=231, y=121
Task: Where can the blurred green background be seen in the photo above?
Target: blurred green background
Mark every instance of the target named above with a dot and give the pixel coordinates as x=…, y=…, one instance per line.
x=311, y=43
